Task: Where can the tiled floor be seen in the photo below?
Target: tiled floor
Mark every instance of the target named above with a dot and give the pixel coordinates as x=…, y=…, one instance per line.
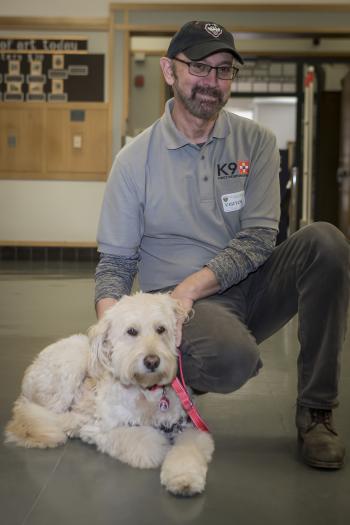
x=256, y=476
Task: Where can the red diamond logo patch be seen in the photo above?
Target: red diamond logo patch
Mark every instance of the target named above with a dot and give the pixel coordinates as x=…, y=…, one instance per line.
x=243, y=166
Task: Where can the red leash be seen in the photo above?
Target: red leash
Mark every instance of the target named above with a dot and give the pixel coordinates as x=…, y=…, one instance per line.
x=183, y=395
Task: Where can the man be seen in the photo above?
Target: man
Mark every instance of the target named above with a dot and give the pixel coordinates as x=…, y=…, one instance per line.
x=193, y=205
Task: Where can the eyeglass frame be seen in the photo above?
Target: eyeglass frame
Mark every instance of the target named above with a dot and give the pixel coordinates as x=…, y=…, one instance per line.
x=234, y=69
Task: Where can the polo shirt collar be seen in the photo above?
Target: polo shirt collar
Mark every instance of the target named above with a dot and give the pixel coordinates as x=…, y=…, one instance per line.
x=175, y=139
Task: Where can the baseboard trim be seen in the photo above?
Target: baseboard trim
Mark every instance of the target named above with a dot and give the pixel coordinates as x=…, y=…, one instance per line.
x=79, y=252
x=49, y=244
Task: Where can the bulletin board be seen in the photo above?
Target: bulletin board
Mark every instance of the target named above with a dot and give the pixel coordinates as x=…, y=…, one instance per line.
x=50, y=69
x=53, y=77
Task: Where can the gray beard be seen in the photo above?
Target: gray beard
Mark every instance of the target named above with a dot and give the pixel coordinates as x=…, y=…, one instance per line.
x=200, y=108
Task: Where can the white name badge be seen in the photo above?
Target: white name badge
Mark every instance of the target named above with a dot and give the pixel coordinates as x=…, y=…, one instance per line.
x=233, y=201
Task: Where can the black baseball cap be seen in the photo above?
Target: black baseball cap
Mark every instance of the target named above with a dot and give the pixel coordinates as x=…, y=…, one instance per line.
x=199, y=39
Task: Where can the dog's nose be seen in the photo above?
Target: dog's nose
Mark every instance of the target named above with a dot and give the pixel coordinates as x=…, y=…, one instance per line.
x=151, y=362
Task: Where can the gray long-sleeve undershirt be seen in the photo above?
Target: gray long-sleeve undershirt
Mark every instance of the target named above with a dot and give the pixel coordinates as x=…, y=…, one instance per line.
x=248, y=250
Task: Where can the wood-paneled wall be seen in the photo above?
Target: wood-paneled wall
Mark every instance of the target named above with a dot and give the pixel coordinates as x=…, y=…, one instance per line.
x=43, y=141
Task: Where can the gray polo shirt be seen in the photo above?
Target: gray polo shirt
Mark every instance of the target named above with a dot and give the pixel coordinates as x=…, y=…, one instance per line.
x=179, y=204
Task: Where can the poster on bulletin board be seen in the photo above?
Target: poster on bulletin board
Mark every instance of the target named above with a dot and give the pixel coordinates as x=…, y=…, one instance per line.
x=50, y=70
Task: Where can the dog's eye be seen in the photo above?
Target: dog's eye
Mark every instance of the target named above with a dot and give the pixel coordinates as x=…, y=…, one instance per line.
x=133, y=332
x=160, y=329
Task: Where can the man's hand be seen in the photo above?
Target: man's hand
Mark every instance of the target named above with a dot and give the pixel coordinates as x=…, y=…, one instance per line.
x=196, y=286
x=186, y=304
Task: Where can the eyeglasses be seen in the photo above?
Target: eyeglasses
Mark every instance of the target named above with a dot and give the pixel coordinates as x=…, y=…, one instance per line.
x=199, y=69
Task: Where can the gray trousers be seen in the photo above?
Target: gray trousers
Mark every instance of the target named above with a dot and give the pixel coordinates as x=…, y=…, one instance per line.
x=307, y=274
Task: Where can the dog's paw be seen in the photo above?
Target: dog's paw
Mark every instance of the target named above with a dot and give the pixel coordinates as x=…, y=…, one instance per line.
x=149, y=449
x=183, y=478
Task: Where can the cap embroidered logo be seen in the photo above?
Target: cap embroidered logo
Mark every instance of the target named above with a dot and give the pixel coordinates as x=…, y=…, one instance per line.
x=213, y=30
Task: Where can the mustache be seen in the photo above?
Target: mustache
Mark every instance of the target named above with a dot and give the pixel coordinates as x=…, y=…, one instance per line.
x=211, y=91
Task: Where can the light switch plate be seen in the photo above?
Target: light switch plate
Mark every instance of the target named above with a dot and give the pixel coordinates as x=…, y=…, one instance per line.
x=77, y=141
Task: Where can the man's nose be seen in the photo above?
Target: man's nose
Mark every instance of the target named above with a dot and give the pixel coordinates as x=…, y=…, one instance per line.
x=211, y=78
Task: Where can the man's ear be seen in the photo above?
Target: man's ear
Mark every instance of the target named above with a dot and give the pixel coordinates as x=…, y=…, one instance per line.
x=166, y=66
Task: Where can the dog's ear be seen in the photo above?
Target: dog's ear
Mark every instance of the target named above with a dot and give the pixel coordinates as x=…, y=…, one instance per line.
x=100, y=346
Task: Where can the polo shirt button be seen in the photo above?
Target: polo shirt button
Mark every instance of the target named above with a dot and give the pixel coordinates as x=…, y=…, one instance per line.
x=202, y=157
x=205, y=178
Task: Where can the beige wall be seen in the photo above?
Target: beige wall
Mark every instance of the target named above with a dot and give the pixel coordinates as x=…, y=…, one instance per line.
x=53, y=211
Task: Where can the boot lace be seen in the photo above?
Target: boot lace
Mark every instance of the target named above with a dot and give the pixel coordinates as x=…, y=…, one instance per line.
x=321, y=417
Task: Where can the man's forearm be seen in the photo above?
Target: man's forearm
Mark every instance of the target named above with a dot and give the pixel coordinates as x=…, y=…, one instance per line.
x=244, y=254
x=196, y=286
x=114, y=277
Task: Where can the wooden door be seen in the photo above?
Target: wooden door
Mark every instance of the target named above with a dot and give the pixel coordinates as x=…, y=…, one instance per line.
x=344, y=160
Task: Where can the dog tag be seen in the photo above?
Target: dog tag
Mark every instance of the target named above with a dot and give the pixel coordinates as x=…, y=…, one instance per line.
x=164, y=403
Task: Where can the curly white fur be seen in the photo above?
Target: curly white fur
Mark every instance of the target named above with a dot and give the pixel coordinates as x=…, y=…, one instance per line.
x=97, y=388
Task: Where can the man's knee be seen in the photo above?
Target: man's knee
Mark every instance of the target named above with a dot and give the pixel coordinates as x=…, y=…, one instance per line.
x=237, y=366
x=219, y=352
x=327, y=239
x=328, y=248
x=221, y=366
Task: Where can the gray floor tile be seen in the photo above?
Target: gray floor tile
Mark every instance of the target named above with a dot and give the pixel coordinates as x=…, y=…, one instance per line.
x=24, y=475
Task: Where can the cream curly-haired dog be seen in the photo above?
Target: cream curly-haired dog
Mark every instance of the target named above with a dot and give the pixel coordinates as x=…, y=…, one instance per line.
x=112, y=388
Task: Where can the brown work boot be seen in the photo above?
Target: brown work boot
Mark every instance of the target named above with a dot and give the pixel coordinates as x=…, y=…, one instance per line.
x=321, y=446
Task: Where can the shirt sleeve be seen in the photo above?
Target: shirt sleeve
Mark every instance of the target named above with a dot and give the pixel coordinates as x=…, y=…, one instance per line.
x=114, y=276
x=119, y=232
x=262, y=191
x=248, y=250
x=121, y=222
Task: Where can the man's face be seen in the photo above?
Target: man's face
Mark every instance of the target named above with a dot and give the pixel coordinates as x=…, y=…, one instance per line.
x=203, y=97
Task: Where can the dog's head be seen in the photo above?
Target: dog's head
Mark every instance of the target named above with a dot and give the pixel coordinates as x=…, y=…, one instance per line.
x=136, y=340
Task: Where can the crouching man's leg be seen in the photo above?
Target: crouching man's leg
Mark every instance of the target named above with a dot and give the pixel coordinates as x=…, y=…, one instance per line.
x=324, y=299
x=309, y=274
x=219, y=353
